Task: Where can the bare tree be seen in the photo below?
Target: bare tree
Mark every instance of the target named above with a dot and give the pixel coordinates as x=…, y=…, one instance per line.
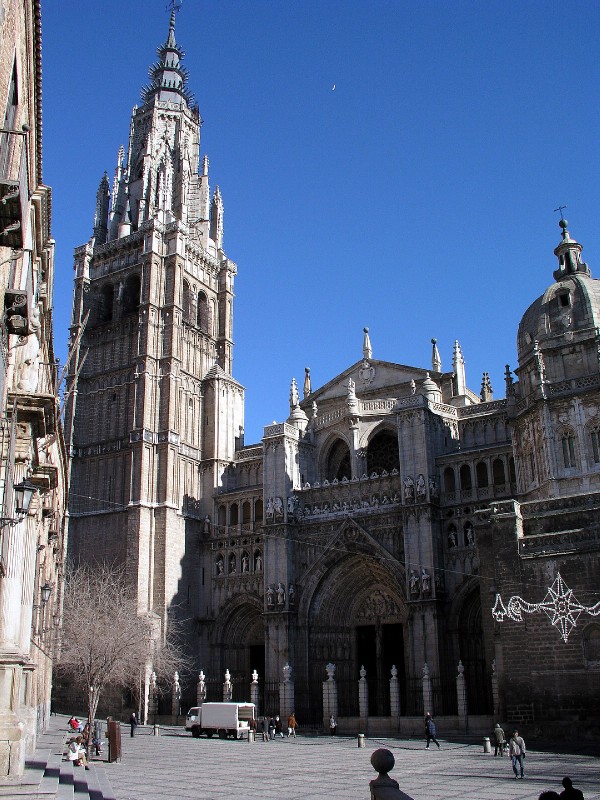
x=105, y=641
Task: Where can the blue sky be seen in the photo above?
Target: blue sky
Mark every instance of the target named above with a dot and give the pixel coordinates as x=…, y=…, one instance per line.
x=415, y=198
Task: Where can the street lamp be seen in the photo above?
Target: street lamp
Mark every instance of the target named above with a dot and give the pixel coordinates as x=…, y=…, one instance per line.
x=23, y=492
x=45, y=592
x=23, y=495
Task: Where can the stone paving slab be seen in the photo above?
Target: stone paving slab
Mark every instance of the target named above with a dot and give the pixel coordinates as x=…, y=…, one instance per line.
x=175, y=765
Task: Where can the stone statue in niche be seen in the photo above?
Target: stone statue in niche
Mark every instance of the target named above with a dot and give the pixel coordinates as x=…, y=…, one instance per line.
x=409, y=489
x=270, y=596
x=278, y=507
x=245, y=563
x=452, y=540
x=220, y=566
x=270, y=510
x=232, y=564
x=280, y=594
x=433, y=490
x=414, y=582
x=291, y=594
x=425, y=581
x=421, y=491
x=258, y=563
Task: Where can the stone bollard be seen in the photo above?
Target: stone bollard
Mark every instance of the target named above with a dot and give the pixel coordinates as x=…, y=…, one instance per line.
x=487, y=747
x=384, y=787
x=361, y=740
x=250, y=737
x=156, y=730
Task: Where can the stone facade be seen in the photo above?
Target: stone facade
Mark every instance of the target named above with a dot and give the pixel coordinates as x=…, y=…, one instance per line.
x=374, y=527
x=32, y=543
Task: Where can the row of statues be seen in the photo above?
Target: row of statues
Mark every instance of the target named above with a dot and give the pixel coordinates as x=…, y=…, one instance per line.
x=232, y=564
x=275, y=595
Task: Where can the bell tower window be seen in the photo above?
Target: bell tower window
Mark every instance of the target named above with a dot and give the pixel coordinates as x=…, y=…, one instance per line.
x=568, y=448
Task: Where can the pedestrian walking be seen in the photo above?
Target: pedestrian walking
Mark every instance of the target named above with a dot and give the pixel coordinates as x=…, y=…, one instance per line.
x=570, y=792
x=133, y=723
x=499, y=740
x=516, y=751
x=332, y=725
x=430, y=731
x=292, y=725
x=271, y=728
x=264, y=727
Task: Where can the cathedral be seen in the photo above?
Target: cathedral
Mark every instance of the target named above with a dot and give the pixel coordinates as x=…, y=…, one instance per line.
x=396, y=523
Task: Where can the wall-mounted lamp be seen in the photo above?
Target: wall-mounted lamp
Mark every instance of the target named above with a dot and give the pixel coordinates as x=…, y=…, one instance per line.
x=45, y=592
x=23, y=493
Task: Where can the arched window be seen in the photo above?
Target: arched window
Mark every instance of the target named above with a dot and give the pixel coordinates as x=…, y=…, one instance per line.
x=186, y=305
x=131, y=295
x=258, y=511
x=568, y=449
x=234, y=514
x=107, y=298
x=498, y=474
x=382, y=453
x=595, y=442
x=338, y=462
x=222, y=517
x=591, y=644
x=246, y=513
x=466, y=482
x=481, y=472
x=512, y=474
x=202, y=313
x=449, y=480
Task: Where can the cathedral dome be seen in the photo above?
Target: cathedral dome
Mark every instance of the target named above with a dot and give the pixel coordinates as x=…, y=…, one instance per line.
x=569, y=308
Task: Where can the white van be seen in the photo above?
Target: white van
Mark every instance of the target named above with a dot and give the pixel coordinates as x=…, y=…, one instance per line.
x=225, y=719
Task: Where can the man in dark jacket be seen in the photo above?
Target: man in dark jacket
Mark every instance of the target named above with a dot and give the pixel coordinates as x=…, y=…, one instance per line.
x=430, y=730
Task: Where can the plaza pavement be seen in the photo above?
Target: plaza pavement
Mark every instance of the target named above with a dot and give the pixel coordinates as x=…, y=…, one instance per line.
x=175, y=765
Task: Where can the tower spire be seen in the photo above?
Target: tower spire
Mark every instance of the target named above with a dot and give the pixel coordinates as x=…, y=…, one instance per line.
x=436, y=361
x=168, y=78
x=367, y=349
x=568, y=253
x=458, y=366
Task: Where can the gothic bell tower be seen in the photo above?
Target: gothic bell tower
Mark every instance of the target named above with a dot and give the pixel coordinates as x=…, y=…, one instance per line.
x=152, y=412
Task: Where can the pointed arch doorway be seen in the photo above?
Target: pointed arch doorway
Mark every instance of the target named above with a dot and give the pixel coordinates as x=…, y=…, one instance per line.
x=357, y=617
x=239, y=645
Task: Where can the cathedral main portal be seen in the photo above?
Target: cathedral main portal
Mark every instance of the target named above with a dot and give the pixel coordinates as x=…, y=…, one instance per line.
x=356, y=621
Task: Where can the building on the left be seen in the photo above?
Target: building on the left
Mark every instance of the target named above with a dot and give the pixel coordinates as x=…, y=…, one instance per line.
x=32, y=465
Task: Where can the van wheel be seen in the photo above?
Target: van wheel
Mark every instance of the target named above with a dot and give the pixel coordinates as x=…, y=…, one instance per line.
x=209, y=734
x=222, y=733
x=196, y=733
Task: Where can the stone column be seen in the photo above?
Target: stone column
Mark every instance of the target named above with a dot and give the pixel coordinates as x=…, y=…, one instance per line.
x=286, y=693
x=394, y=694
x=146, y=693
x=201, y=689
x=227, y=688
x=495, y=693
x=153, y=698
x=254, y=693
x=176, y=696
x=330, y=699
x=363, y=695
x=427, y=692
x=461, y=697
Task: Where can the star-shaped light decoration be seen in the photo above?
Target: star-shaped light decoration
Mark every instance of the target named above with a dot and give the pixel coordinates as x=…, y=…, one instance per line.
x=560, y=605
